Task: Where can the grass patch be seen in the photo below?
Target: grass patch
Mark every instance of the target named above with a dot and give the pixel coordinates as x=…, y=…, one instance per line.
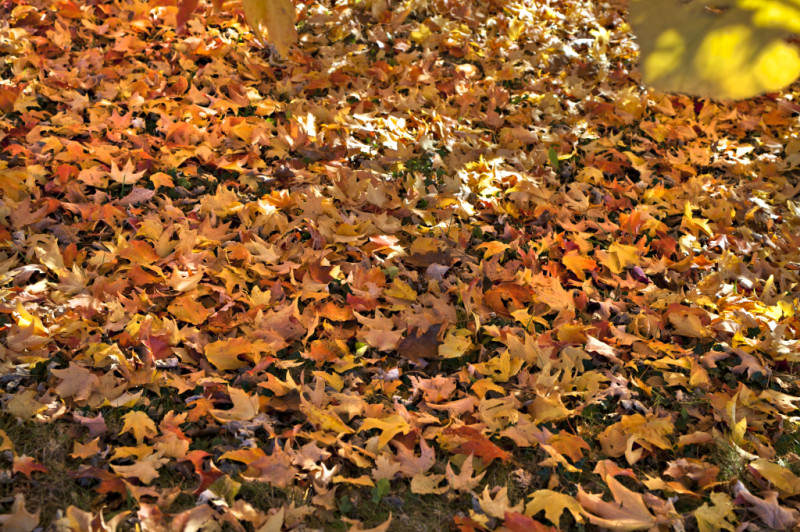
x=50, y=444
x=731, y=464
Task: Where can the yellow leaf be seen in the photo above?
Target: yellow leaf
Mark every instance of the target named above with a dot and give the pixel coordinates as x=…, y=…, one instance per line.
x=24, y=405
x=421, y=34
x=272, y=21
x=786, y=482
x=492, y=248
x=245, y=407
x=553, y=503
x=456, y=343
x=363, y=480
x=713, y=519
x=686, y=324
x=333, y=380
x=126, y=175
x=548, y=408
x=401, y=290
x=620, y=256
x=500, y=368
x=140, y=424
x=738, y=431
x=323, y=419
x=694, y=225
x=5, y=442
x=145, y=470
x=389, y=427
x=187, y=308
x=738, y=52
x=422, y=484
x=576, y=263
x=649, y=431
x=224, y=353
x=25, y=320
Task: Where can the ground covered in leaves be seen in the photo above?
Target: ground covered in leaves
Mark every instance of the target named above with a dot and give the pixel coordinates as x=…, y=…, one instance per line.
x=448, y=265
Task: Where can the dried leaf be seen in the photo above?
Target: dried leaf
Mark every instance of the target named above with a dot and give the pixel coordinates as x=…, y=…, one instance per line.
x=272, y=21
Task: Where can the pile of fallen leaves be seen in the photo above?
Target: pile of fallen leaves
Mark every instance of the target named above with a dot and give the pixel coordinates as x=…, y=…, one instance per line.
x=447, y=265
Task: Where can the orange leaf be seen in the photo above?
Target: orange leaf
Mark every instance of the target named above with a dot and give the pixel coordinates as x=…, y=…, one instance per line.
x=27, y=465
x=576, y=263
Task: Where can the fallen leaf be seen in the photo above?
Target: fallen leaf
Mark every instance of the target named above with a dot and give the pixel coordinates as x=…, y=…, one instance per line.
x=627, y=512
x=553, y=503
x=272, y=21
x=140, y=424
x=245, y=407
x=19, y=520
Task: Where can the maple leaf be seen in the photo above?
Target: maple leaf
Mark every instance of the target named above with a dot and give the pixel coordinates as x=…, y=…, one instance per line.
x=380, y=332
x=500, y=368
x=145, y=469
x=787, y=483
x=76, y=382
x=553, y=503
x=456, y=344
x=464, y=481
x=418, y=345
x=27, y=465
x=619, y=256
x=436, y=389
x=275, y=468
x=224, y=354
x=19, y=520
x=389, y=426
x=607, y=285
x=422, y=484
x=720, y=516
x=126, y=175
x=771, y=513
x=577, y=263
x=516, y=522
x=272, y=21
x=324, y=419
x=627, y=512
x=86, y=450
x=357, y=526
x=24, y=405
x=618, y=438
x=189, y=309
x=472, y=441
x=245, y=407
x=140, y=424
x=5, y=442
x=498, y=505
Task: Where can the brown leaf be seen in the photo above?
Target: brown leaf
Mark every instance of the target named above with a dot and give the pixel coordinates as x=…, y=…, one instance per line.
x=415, y=345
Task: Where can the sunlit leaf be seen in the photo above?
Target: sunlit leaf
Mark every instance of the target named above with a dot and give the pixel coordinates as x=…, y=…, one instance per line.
x=272, y=21
x=729, y=49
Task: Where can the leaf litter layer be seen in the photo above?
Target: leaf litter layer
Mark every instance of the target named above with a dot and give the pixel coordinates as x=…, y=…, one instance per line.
x=447, y=263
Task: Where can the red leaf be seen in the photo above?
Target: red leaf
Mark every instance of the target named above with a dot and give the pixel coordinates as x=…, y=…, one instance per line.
x=517, y=522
